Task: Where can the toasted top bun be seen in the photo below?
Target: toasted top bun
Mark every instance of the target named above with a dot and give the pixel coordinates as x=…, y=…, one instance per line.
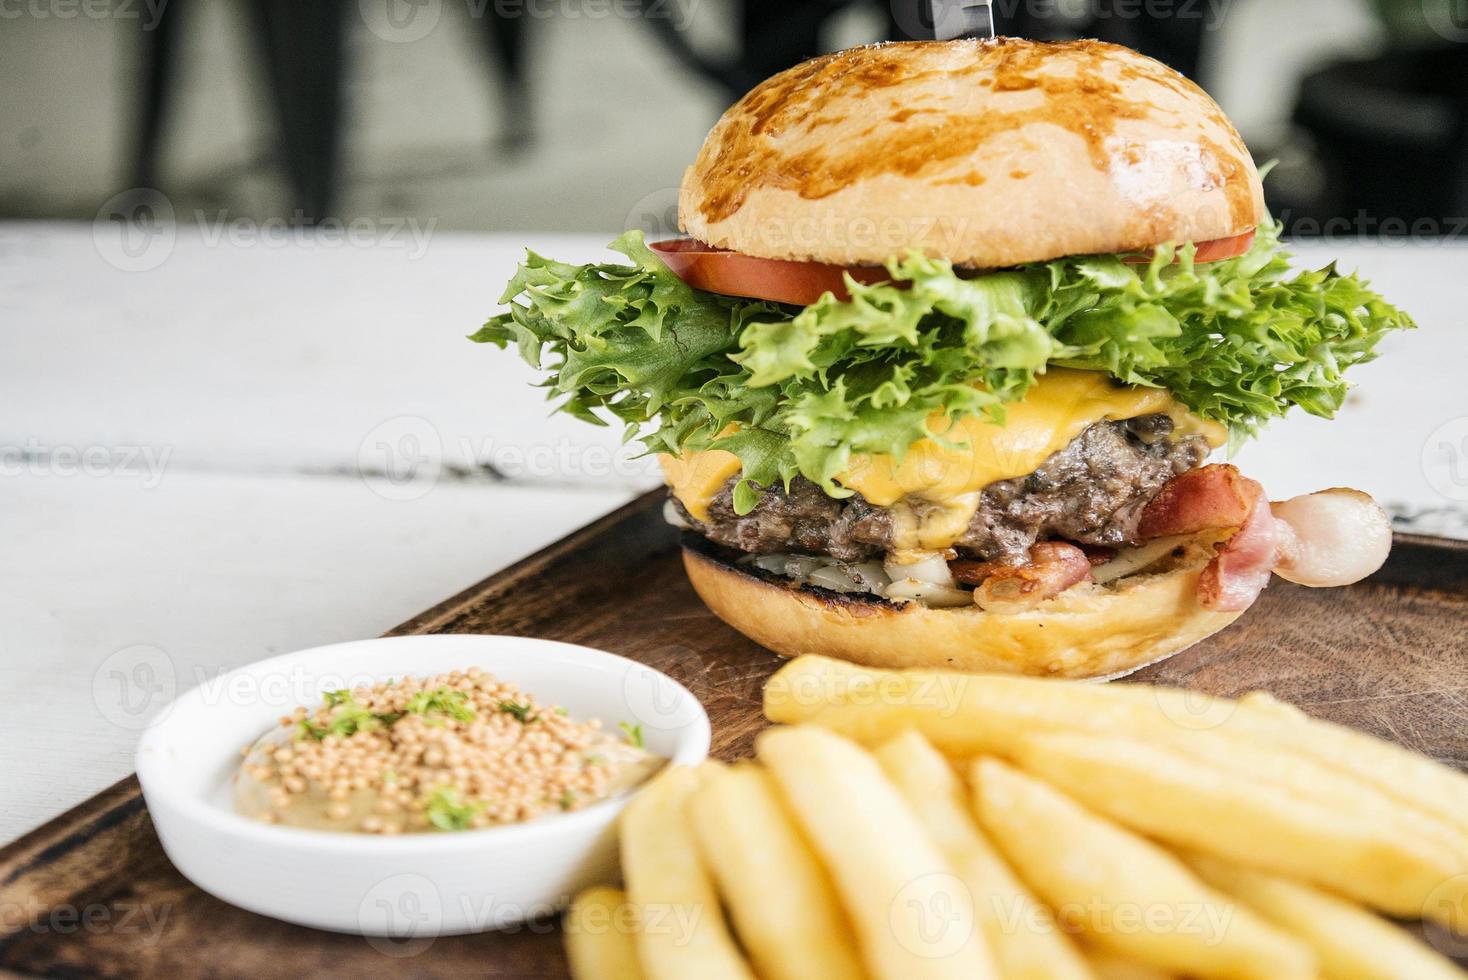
x=985, y=152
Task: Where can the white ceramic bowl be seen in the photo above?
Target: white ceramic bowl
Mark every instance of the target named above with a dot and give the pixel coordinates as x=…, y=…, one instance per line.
x=413, y=884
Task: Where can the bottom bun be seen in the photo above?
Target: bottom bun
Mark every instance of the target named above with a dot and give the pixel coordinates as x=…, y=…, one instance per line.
x=1089, y=630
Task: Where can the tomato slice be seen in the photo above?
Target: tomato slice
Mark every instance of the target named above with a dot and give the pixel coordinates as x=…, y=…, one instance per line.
x=1224, y=248
x=1213, y=250
x=718, y=270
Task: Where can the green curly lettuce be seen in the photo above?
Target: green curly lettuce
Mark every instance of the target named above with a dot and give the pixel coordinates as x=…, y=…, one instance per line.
x=798, y=391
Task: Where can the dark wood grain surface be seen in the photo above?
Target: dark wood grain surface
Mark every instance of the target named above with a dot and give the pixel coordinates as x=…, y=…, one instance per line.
x=91, y=893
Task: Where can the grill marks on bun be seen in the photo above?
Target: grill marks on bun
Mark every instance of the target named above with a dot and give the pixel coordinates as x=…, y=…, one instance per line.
x=1116, y=150
x=932, y=138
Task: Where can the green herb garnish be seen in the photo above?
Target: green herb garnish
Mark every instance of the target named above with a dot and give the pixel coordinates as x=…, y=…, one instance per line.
x=347, y=719
x=443, y=701
x=634, y=735
x=447, y=809
x=520, y=711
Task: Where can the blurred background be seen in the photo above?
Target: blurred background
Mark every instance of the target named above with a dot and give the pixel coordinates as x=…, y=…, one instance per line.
x=241, y=243
x=579, y=115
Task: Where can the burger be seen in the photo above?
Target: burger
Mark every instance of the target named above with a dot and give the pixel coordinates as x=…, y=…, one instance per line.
x=936, y=375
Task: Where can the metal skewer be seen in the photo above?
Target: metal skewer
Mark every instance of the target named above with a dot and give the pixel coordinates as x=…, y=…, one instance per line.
x=954, y=19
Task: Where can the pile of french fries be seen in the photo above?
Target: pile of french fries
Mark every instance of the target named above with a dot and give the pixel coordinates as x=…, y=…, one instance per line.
x=918, y=824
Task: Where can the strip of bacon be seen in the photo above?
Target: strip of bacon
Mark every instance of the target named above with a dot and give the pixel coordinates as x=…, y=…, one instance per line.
x=1097, y=554
x=1213, y=496
x=1054, y=566
x=970, y=572
x=1217, y=497
x=1241, y=569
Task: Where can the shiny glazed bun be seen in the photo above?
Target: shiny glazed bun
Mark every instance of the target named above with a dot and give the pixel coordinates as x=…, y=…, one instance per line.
x=1089, y=630
x=985, y=152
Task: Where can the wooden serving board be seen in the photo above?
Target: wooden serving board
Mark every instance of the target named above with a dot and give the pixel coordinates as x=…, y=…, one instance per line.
x=92, y=894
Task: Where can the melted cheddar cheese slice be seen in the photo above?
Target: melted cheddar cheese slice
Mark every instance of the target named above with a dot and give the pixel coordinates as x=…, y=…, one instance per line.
x=696, y=478
x=934, y=491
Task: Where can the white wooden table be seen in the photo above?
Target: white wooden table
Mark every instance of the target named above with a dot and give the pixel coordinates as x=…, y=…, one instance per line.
x=219, y=447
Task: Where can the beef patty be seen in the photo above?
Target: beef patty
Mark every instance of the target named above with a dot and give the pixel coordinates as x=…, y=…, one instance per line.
x=1090, y=492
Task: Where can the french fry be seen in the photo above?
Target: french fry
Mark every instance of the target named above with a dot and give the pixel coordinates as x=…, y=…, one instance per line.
x=1253, y=761
x=599, y=931
x=1109, y=966
x=1162, y=793
x=961, y=714
x=1349, y=942
x=781, y=900
x=681, y=930
x=1128, y=895
x=1401, y=774
x=1026, y=942
x=970, y=714
x=913, y=918
x=1148, y=714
